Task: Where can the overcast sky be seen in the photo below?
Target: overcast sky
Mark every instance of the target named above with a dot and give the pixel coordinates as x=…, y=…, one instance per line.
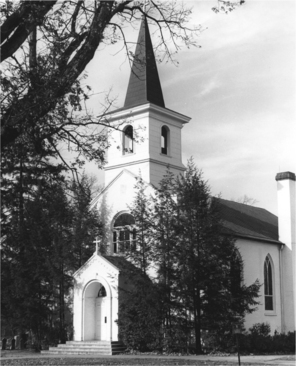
x=239, y=90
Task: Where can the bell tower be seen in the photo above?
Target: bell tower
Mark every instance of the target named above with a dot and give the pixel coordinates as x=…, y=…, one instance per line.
x=147, y=138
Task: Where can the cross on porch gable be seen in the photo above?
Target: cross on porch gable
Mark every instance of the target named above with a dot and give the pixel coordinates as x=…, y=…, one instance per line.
x=97, y=242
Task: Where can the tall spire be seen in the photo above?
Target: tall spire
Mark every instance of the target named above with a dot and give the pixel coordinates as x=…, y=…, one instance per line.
x=144, y=84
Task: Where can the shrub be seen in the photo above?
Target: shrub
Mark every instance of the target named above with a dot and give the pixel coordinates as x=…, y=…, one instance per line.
x=260, y=329
x=140, y=316
x=284, y=343
x=258, y=341
x=213, y=342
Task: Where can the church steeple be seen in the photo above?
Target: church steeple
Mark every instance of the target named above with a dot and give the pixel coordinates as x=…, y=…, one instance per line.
x=149, y=137
x=144, y=84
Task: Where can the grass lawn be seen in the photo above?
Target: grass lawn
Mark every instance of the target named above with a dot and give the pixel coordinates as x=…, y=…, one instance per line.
x=103, y=362
x=115, y=361
x=26, y=358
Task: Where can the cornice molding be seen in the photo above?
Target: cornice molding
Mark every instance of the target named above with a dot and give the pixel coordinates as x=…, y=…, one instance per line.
x=147, y=160
x=150, y=109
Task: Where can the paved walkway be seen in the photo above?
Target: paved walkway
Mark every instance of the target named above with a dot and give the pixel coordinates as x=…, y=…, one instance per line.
x=276, y=360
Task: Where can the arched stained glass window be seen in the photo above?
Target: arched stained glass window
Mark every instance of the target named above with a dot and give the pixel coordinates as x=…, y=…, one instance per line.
x=128, y=140
x=268, y=284
x=124, y=233
x=165, y=133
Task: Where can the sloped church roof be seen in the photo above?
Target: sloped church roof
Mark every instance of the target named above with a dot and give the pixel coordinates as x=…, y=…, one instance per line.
x=249, y=222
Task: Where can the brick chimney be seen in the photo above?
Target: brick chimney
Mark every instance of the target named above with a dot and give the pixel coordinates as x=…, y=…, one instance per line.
x=287, y=235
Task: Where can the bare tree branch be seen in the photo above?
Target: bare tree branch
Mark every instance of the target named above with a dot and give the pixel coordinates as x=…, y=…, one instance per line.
x=20, y=24
x=68, y=38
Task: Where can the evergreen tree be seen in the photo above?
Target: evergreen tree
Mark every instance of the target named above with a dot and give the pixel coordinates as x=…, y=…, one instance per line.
x=165, y=258
x=199, y=269
x=206, y=260
x=23, y=176
x=38, y=261
x=141, y=246
x=87, y=224
x=34, y=273
x=140, y=314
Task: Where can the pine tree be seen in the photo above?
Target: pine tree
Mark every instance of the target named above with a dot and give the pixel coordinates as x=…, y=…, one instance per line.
x=141, y=247
x=207, y=259
x=23, y=174
x=199, y=271
x=140, y=314
x=38, y=261
x=87, y=224
x=165, y=257
x=34, y=273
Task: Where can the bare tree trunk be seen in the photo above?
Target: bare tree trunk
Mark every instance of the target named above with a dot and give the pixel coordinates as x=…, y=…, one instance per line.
x=33, y=49
x=196, y=297
x=62, y=304
x=197, y=322
x=20, y=234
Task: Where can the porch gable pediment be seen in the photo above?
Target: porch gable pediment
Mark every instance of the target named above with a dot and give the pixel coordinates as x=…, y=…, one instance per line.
x=96, y=262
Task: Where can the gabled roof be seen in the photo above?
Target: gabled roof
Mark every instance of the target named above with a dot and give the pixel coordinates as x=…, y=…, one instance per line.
x=144, y=84
x=249, y=222
x=118, y=263
x=122, y=264
x=123, y=171
x=96, y=198
x=93, y=258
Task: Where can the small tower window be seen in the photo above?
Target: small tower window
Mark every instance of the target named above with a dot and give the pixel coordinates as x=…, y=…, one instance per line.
x=128, y=140
x=165, y=132
x=268, y=284
x=124, y=233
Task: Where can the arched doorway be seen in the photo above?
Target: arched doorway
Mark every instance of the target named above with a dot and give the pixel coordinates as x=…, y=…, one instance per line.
x=96, y=312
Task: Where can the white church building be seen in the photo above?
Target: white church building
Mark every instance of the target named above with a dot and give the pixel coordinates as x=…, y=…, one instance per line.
x=149, y=141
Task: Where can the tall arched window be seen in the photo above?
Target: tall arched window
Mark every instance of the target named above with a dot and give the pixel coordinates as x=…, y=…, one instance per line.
x=128, y=140
x=124, y=233
x=268, y=284
x=165, y=134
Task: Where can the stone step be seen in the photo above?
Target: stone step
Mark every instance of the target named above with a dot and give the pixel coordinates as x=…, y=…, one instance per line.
x=79, y=352
x=88, y=347
x=105, y=346
x=94, y=349
x=92, y=342
x=74, y=352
